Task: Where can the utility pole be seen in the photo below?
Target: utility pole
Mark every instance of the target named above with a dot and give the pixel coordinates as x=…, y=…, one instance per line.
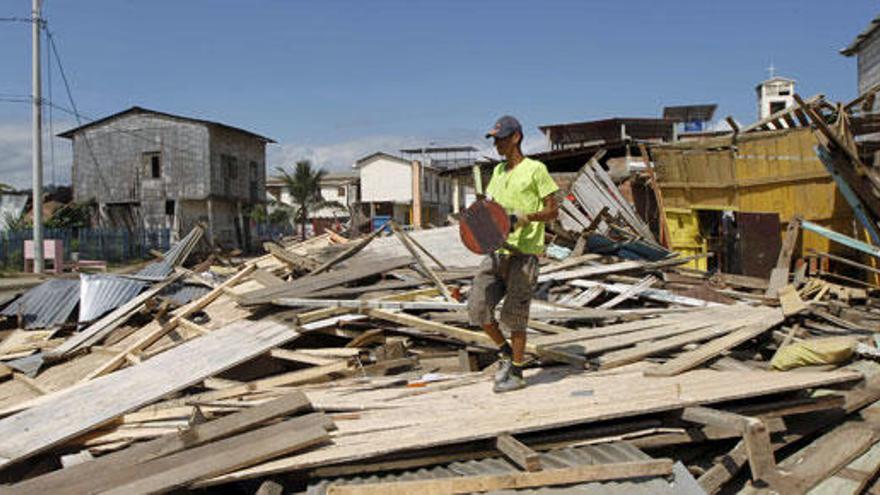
x=37, y=140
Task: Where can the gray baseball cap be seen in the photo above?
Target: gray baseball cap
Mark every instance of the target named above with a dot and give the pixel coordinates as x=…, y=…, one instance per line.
x=504, y=127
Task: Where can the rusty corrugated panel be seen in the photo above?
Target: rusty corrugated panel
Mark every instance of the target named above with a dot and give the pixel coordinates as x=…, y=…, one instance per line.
x=682, y=484
x=46, y=305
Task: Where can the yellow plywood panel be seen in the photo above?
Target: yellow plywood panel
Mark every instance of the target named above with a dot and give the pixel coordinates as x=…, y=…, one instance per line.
x=773, y=171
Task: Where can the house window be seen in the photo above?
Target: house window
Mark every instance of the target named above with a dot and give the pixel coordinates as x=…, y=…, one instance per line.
x=153, y=164
x=229, y=169
x=340, y=192
x=254, y=181
x=777, y=106
x=169, y=207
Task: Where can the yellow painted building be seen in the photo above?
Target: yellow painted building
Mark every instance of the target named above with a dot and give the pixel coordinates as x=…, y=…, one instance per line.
x=765, y=171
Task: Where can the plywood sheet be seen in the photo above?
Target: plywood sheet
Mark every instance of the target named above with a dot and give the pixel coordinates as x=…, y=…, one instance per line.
x=554, y=398
x=78, y=409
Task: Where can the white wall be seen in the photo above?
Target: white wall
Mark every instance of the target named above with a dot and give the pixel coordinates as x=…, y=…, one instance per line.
x=385, y=180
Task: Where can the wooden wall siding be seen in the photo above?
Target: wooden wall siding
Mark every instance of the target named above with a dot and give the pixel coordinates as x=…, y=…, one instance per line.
x=775, y=171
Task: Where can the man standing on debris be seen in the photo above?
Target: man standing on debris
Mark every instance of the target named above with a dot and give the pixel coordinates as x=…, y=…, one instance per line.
x=527, y=192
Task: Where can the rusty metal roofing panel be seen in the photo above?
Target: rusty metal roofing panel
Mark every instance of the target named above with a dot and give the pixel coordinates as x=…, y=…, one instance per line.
x=681, y=484
x=46, y=305
x=100, y=293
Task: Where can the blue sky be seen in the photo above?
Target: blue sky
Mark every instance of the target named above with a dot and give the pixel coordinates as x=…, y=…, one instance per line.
x=332, y=80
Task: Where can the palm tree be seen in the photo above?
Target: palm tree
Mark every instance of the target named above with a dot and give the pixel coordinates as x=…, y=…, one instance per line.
x=305, y=191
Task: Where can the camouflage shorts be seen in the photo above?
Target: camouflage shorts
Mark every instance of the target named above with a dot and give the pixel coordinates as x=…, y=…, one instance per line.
x=512, y=278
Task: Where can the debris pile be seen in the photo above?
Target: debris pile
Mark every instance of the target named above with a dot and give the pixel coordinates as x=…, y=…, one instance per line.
x=347, y=366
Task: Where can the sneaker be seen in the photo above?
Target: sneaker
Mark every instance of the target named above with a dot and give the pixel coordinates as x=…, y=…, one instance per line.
x=510, y=383
x=504, y=366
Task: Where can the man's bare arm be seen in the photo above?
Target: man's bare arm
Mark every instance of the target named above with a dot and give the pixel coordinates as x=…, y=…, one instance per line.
x=549, y=213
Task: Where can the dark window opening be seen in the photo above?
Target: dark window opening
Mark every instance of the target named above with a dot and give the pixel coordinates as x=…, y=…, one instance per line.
x=340, y=192
x=156, y=167
x=169, y=207
x=784, y=92
x=153, y=164
x=777, y=106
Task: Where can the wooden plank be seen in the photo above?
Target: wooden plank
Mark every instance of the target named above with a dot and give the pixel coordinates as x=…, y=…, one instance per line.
x=791, y=301
x=756, y=437
x=109, y=322
x=694, y=358
x=304, y=286
x=83, y=407
x=633, y=291
x=196, y=435
x=348, y=252
x=245, y=449
x=519, y=453
x=457, y=415
x=779, y=275
x=410, y=246
x=852, y=479
x=591, y=271
x=481, y=483
x=184, y=312
x=301, y=357
x=267, y=279
x=626, y=356
x=466, y=336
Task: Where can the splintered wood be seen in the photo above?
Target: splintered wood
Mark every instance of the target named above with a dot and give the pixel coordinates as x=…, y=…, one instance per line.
x=350, y=366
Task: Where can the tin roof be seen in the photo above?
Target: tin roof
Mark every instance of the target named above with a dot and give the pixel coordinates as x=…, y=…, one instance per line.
x=100, y=293
x=46, y=305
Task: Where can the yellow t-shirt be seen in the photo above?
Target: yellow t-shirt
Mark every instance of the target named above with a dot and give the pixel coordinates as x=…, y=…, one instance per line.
x=523, y=190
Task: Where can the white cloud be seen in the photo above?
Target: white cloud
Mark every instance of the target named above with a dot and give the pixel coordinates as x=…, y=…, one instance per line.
x=15, y=156
x=342, y=155
x=337, y=156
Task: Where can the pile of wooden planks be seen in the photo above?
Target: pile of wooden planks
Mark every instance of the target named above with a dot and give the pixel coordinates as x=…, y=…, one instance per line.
x=327, y=367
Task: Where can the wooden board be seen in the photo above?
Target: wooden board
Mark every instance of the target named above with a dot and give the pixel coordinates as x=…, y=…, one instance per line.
x=555, y=398
x=714, y=348
x=491, y=482
x=176, y=470
x=78, y=409
x=306, y=285
x=196, y=435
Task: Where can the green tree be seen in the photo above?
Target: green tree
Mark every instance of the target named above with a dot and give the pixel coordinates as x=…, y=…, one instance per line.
x=304, y=185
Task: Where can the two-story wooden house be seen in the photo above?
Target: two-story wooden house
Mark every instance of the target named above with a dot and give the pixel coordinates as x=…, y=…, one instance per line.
x=144, y=169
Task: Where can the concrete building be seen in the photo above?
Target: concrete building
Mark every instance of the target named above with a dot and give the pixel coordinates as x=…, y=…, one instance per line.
x=774, y=94
x=866, y=48
x=409, y=192
x=144, y=169
x=339, y=187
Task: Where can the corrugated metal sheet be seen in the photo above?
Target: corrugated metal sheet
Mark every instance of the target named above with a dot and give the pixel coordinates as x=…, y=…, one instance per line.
x=99, y=294
x=178, y=253
x=181, y=293
x=46, y=305
x=555, y=459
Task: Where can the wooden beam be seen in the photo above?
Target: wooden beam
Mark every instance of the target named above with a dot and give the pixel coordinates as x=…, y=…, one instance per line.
x=779, y=275
x=700, y=355
x=150, y=338
x=410, y=246
x=222, y=456
x=481, y=483
x=66, y=414
x=231, y=424
x=519, y=453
